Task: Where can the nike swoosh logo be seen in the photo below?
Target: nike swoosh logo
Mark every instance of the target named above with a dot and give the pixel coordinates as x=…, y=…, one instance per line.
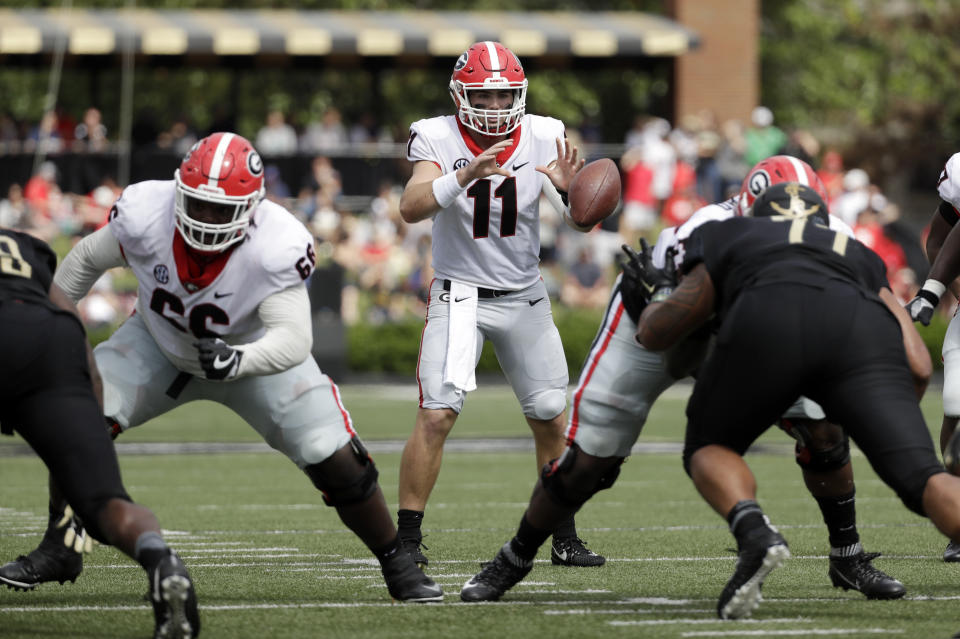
x=219, y=295
x=520, y=166
x=460, y=299
x=534, y=302
x=220, y=364
x=648, y=287
x=562, y=555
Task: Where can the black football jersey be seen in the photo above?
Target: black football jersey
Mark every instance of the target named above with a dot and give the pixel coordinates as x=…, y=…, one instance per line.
x=745, y=252
x=26, y=268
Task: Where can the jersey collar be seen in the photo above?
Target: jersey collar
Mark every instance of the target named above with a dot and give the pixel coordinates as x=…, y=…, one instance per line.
x=194, y=269
x=474, y=148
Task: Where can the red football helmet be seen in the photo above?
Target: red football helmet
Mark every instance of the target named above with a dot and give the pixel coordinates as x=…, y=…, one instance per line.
x=485, y=66
x=773, y=170
x=219, y=184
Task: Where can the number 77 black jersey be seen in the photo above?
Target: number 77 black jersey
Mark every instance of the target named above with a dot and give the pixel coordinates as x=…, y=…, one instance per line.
x=26, y=268
x=749, y=252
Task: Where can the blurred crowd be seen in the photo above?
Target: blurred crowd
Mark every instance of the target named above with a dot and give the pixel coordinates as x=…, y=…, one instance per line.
x=382, y=264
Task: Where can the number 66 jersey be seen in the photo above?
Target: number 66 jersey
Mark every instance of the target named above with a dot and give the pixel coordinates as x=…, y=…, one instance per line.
x=490, y=235
x=180, y=299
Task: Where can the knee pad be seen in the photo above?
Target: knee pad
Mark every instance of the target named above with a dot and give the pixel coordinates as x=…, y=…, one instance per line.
x=341, y=481
x=571, y=484
x=818, y=453
x=547, y=405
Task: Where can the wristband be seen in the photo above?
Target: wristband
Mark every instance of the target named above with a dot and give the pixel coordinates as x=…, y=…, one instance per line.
x=446, y=188
x=932, y=291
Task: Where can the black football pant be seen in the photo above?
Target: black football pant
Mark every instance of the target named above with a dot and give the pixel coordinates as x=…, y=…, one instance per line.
x=46, y=396
x=834, y=345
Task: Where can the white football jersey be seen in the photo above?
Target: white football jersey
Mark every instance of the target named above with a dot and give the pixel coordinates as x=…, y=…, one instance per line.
x=948, y=186
x=276, y=254
x=490, y=235
x=712, y=213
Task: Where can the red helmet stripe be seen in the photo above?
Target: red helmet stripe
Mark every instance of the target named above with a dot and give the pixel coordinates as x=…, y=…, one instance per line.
x=494, y=59
x=219, y=154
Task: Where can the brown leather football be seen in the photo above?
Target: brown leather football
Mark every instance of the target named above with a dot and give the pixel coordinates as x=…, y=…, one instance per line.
x=594, y=192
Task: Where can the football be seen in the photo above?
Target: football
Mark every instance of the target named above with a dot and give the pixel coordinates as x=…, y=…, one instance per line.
x=594, y=192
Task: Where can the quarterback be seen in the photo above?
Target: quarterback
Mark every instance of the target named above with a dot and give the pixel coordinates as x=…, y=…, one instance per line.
x=223, y=314
x=479, y=175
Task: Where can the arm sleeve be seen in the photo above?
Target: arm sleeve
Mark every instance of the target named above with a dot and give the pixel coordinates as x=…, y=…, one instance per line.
x=288, y=337
x=87, y=261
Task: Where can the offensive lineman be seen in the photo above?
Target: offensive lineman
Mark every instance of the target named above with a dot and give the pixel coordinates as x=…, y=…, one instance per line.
x=50, y=392
x=223, y=314
x=618, y=384
x=479, y=175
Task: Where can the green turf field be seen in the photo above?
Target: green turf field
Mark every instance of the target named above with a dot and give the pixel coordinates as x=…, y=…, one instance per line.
x=270, y=560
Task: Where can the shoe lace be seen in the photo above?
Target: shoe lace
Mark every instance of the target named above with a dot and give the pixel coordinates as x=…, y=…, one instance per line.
x=499, y=573
x=413, y=541
x=574, y=544
x=866, y=571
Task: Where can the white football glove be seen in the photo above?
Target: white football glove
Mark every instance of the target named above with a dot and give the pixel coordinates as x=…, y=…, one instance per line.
x=75, y=537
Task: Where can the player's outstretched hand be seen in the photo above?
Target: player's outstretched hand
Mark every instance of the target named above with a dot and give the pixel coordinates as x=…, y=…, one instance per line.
x=566, y=166
x=485, y=164
x=75, y=537
x=218, y=359
x=921, y=310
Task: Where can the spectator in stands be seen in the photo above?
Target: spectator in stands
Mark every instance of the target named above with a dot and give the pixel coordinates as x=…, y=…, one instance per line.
x=276, y=189
x=763, y=138
x=9, y=133
x=730, y=157
x=45, y=136
x=91, y=134
x=684, y=201
x=831, y=174
x=585, y=285
x=855, y=197
x=13, y=208
x=276, y=137
x=39, y=189
x=326, y=136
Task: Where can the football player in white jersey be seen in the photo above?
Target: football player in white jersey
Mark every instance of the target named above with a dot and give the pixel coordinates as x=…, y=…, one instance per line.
x=618, y=384
x=223, y=314
x=943, y=251
x=479, y=174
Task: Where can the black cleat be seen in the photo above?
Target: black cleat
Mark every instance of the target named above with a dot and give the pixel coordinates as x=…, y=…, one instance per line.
x=50, y=561
x=412, y=547
x=572, y=551
x=952, y=553
x=174, y=600
x=406, y=582
x=858, y=573
x=763, y=551
x=497, y=577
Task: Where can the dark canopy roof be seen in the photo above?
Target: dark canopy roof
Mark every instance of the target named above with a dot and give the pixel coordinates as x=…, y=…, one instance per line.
x=292, y=33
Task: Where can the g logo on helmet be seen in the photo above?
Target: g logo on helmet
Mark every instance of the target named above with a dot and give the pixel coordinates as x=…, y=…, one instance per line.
x=254, y=163
x=759, y=182
x=461, y=61
x=196, y=145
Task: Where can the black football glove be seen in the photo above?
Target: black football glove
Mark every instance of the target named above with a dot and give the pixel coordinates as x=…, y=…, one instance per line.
x=649, y=282
x=218, y=359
